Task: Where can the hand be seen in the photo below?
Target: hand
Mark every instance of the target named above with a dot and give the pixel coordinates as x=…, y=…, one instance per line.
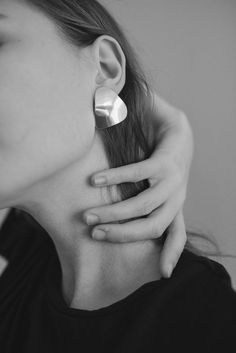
x=167, y=171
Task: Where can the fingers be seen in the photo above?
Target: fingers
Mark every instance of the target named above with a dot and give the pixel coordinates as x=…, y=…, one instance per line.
x=174, y=245
x=142, y=204
x=132, y=172
x=151, y=227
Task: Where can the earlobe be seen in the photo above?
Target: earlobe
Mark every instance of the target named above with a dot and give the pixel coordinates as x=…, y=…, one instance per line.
x=111, y=63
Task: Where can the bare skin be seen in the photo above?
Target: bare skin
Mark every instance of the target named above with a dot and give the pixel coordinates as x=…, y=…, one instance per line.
x=48, y=150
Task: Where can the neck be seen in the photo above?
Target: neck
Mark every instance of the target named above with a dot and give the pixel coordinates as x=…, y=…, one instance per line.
x=94, y=273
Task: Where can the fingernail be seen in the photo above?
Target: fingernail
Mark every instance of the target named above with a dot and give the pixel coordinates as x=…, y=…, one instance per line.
x=91, y=219
x=99, y=234
x=100, y=180
x=168, y=271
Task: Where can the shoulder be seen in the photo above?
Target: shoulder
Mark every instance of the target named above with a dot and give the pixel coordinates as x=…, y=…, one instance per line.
x=24, y=247
x=205, y=267
x=209, y=285
x=208, y=271
x=203, y=264
x=195, y=307
x=200, y=301
x=26, y=254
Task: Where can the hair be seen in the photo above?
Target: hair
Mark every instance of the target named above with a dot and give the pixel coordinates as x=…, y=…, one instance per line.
x=81, y=22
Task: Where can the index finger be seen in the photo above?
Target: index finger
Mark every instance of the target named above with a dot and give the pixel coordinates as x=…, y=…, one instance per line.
x=133, y=172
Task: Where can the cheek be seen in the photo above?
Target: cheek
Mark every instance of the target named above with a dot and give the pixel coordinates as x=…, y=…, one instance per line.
x=38, y=93
x=46, y=123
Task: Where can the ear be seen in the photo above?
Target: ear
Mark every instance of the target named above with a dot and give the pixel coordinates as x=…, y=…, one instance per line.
x=110, y=62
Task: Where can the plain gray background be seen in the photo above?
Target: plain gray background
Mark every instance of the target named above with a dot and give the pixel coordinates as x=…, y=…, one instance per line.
x=188, y=48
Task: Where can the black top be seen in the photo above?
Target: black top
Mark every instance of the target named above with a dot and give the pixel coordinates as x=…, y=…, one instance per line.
x=193, y=311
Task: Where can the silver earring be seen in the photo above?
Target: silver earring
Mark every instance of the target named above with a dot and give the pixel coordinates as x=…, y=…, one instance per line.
x=109, y=108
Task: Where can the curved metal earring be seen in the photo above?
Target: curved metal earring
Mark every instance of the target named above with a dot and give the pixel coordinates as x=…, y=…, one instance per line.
x=109, y=108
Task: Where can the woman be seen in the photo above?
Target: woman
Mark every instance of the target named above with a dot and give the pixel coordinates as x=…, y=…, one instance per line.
x=72, y=292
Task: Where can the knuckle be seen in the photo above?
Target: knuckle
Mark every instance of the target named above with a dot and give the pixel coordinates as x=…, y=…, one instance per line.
x=156, y=230
x=120, y=178
x=174, y=163
x=164, y=161
x=120, y=238
x=112, y=176
x=137, y=173
x=174, y=174
x=177, y=175
x=172, y=167
x=124, y=237
x=181, y=114
x=111, y=215
x=146, y=207
x=120, y=233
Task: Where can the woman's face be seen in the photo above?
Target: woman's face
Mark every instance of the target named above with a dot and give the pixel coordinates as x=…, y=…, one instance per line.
x=46, y=100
